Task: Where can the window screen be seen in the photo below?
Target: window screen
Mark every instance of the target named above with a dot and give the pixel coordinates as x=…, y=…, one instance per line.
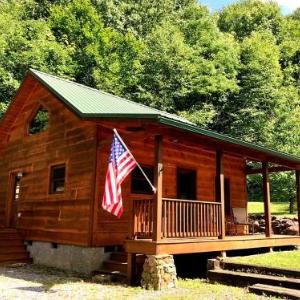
x=57, y=183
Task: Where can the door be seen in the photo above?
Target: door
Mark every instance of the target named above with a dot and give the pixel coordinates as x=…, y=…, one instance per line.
x=186, y=184
x=15, y=196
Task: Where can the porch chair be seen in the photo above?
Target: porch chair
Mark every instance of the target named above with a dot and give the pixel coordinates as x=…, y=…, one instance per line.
x=240, y=217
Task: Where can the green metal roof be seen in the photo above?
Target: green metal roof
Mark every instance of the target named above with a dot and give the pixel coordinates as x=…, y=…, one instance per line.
x=92, y=103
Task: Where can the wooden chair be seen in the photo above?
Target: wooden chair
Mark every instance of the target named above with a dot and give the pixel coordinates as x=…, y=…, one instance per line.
x=240, y=217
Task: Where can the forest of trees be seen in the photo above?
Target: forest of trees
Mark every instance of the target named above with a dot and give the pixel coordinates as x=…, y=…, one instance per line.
x=236, y=71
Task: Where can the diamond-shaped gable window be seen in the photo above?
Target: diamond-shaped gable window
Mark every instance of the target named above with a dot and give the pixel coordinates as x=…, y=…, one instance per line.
x=40, y=121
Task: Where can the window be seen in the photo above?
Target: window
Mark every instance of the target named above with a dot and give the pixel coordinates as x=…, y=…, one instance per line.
x=57, y=179
x=186, y=184
x=40, y=121
x=139, y=184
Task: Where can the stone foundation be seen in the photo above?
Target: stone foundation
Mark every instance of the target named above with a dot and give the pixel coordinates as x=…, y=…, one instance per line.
x=84, y=260
x=159, y=272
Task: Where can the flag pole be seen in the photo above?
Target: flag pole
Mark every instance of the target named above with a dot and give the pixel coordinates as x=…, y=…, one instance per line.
x=141, y=169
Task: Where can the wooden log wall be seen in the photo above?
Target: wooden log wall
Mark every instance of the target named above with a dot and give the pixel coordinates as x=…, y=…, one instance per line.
x=62, y=218
x=107, y=229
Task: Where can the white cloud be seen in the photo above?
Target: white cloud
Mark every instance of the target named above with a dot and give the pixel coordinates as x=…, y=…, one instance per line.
x=290, y=5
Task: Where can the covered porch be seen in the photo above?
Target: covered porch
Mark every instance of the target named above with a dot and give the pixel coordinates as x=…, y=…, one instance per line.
x=173, y=226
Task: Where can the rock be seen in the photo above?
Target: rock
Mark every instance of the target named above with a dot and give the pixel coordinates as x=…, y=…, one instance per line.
x=286, y=226
x=159, y=272
x=292, y=230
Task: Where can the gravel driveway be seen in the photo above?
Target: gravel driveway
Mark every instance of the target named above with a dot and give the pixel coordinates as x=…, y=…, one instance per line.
x=26, y=282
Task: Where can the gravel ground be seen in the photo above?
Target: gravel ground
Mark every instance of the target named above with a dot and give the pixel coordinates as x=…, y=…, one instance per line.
x=36, y=282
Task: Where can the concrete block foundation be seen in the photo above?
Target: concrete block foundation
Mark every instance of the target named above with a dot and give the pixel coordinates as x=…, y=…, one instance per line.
x=83, y=260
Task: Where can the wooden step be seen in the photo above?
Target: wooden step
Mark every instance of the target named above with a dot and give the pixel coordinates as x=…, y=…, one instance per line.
x=113, y=265
x=246, y=279
x=12, y=248
x=270, y=290
x=235, y=266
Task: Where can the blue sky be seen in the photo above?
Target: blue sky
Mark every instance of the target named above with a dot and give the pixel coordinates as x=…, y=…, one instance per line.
x=287, y=6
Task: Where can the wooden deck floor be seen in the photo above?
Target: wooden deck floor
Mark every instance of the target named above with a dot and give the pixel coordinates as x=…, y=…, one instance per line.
x=198, y=245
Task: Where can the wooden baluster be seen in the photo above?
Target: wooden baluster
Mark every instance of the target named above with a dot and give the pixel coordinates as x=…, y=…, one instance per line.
x=180, y=219
x=201, y=220
x=175, y=218
x=214, y=219
x=169, y=218
x=151, y=219
x=194, y=218
x=138, y=205
x=188, y=219
x=141, y=217
x=207, y=220
x=134, y=219
x=147, y=217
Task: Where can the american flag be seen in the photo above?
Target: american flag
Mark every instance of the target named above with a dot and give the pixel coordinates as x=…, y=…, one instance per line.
x=121, y=163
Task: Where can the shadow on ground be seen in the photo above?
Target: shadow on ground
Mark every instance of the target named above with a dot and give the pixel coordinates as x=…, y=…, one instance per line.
x=46, y=277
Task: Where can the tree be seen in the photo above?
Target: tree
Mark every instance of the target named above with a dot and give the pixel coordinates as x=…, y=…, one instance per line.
x=260, y=80
x=246, y=16
x=139, y=17
x=103, y=58
x=188, y=64
x=26, y=43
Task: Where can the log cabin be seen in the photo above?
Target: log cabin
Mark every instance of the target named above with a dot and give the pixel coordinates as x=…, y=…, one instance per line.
x=52, y=179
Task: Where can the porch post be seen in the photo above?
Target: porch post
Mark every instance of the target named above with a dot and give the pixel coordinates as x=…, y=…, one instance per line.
x=298, y=195
x=220, y=189
x=267, y=199
x=158, y=184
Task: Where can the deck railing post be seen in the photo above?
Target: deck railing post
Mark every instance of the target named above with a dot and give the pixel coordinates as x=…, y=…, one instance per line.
x=220, y=189
x=157, y=220
x=267, y=199
x=298, y=196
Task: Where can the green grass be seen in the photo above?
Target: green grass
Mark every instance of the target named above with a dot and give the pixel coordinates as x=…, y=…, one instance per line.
x=285, y=259
x=277, y=209
x=33, y=282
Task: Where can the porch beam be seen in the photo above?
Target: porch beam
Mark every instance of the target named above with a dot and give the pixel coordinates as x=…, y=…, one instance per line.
x=270, y=170
x=298, y=196
x=267, y=199
x=220, y=189
x=157, y=222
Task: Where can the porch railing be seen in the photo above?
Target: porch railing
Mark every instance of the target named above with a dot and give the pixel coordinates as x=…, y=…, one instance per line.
x=143, y=218
x=190, y=218
x=180, y=218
